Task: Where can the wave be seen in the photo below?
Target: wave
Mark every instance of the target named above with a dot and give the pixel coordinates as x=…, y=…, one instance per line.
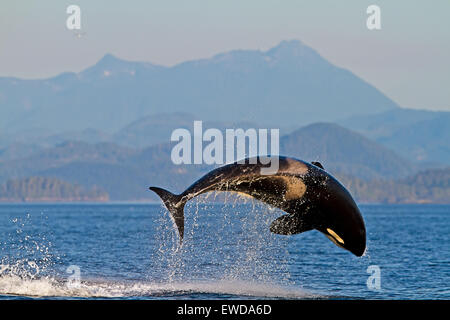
x=29, y=269
x=48, y=287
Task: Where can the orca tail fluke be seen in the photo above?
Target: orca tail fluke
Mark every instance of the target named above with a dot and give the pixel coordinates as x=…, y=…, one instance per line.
x=175, y=205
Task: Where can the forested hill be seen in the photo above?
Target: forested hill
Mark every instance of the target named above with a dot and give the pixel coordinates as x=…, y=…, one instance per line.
x=430, y=186
x=36, y=189
x=371, y=172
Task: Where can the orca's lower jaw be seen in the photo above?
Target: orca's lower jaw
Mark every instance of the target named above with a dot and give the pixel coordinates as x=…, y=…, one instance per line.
x=359, y=249
x=356, y=238
x=353, y=240
x=357, y=246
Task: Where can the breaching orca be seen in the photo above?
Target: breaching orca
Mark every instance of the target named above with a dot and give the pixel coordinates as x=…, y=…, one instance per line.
x=312, y=198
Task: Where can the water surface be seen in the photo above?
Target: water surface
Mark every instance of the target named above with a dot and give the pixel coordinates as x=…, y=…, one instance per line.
x=131, y=251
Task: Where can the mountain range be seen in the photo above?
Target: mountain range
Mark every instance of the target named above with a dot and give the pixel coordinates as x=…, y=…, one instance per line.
x=109, y=126
x=288, y=85
x=419, y=135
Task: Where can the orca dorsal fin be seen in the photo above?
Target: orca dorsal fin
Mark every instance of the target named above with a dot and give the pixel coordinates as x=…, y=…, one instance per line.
x=318, y=164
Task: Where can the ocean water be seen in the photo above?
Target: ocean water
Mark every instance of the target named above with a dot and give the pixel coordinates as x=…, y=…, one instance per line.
x=132, y=251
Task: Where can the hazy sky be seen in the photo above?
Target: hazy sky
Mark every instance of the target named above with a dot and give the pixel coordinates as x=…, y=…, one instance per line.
x=408, y=59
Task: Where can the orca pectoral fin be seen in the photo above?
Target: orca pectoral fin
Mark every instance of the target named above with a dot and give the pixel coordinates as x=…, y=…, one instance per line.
x=289, y=224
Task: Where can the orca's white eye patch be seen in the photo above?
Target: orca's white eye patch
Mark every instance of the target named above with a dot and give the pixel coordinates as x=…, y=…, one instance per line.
x=335, y=236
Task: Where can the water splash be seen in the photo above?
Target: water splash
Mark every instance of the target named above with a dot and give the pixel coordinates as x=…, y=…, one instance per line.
x=50, y=287
x=224, y=242
x=28, y=252
x=227, y=250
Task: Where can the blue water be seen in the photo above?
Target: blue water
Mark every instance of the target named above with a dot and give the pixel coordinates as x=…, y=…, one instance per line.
x=131, y=251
